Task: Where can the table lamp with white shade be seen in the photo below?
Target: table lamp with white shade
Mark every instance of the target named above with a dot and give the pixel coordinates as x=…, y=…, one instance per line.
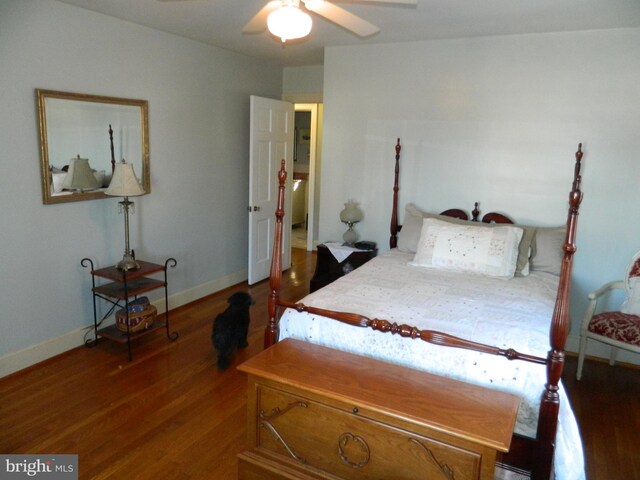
x=351, y=214
x=125, y=184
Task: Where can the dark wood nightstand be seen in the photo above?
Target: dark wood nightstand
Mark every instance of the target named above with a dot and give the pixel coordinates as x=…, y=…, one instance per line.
x=329, y=269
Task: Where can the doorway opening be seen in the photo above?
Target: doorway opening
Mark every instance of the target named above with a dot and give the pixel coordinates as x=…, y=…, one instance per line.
x=306, y=163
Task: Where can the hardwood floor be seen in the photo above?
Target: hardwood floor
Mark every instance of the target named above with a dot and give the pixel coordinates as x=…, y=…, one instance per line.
x=171, y=414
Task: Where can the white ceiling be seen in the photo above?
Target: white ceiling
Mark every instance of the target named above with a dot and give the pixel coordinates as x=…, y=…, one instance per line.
x=220, y=22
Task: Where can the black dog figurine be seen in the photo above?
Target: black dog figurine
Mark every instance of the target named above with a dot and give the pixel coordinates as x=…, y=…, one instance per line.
x=230, y=328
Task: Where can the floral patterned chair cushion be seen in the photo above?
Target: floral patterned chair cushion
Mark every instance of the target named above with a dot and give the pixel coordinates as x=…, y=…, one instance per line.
x=619, y=326
x=618, y=329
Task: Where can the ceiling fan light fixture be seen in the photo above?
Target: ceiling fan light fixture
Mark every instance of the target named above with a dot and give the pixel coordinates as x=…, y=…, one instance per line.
x=289, y=22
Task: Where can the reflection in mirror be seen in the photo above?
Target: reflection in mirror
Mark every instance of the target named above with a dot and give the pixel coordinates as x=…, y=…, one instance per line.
x=81, y=139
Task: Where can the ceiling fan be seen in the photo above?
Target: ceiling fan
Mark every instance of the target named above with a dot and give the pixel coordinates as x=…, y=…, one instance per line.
x=289, y=20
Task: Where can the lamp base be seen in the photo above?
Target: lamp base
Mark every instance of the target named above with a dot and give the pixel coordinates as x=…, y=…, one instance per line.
x=127, y=263
x=350, y=236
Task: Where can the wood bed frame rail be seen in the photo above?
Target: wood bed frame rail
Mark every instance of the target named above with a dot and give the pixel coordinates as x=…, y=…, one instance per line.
x=430, y=336
x=533, y=455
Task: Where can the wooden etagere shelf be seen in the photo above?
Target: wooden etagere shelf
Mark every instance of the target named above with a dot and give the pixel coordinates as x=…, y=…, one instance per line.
x=122, y=288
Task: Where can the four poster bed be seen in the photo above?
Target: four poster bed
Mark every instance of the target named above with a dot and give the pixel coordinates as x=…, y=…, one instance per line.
x=469, y=309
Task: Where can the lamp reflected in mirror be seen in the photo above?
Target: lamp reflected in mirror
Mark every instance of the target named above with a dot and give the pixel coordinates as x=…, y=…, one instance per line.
x=80, y=177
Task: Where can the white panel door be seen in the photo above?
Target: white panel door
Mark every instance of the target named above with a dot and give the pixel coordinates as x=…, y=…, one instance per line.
x=271, y=141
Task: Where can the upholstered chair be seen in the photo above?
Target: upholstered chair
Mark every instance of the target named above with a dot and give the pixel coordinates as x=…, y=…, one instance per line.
x=619, y=329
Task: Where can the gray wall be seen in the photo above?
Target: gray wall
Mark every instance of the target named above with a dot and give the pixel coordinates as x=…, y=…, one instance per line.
x=495, y=120
x=303, y=84
x=199, y=122
x=463, y=108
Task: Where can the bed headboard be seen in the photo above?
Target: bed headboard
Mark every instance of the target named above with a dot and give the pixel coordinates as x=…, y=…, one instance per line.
x=491, y=217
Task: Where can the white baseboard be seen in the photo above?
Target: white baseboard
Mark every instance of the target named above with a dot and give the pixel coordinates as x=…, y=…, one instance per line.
x=600, y=350
x=15, y=361
x=199, y=291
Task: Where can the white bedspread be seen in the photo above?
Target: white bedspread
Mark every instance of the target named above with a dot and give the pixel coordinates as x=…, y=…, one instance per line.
x=506, y=313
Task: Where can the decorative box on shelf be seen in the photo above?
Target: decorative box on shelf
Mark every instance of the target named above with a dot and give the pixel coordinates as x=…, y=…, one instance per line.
x=140, y=315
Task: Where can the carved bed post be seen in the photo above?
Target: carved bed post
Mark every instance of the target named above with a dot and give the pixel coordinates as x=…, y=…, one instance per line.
x=113, y=157
x=393, y=240
x=550, y=402
x=275, y=277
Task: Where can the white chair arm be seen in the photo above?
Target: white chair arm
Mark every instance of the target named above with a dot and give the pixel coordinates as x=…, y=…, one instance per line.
x=593, y=301
x=617, y=284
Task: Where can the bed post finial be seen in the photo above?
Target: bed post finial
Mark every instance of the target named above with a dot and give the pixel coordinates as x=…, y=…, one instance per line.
x=550, y=402
x=576, y=174
x=475, y=213
x=275, y=276
x=393, y=240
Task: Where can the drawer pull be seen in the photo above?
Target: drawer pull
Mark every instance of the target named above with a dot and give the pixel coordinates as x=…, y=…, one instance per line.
x=354, y=446
x=355, y=410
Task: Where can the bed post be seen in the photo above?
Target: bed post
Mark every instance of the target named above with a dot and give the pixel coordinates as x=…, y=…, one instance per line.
x=550, y=402
x=275, y=276
x=393, y=240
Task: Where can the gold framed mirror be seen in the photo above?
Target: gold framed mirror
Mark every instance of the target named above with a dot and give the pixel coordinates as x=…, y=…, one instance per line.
x=93, y=132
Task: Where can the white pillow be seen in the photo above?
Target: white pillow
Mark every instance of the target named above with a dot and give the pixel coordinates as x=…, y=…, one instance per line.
x=409, y=235
x=99, y=177
x=488, y=250
x=57, y=179
x=412, y=226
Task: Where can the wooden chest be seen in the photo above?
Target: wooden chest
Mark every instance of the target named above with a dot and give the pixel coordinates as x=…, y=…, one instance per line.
x=318, y=413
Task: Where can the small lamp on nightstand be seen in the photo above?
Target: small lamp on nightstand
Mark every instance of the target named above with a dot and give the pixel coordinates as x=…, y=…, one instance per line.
x=125, y=184
x=351, y=214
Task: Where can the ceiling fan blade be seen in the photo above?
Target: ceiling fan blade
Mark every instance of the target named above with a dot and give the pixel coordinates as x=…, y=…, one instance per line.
x=259, y=23
x=342, y=17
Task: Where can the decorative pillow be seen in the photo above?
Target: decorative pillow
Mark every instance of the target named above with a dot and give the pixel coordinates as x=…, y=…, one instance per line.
x=99, y=177
x=412, y=226
x=632, y=304
x=547, y=253
x=524, y=249
x=410, y=233
x=57, y=179
x=490, y=250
